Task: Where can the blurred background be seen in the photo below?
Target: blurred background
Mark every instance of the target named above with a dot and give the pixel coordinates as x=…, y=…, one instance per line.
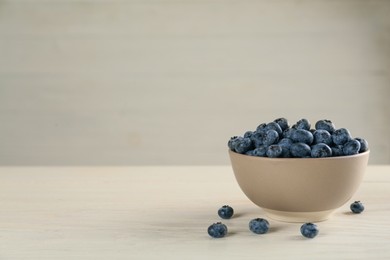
x=168, y=82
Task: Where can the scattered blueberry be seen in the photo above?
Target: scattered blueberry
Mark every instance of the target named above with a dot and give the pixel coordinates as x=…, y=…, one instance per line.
x=309, y=230
x=302, y=136
x=325, y=125
x=357, y=207
x=217, y=230
x=351, y=147
x=225, y=212
x=321, y=150
x=259, y=226
x=300, y=150
x=274, y=151
x=341, y=136
x=302, y=124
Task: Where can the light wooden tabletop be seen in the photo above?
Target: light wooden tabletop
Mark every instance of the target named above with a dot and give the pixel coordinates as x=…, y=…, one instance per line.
x=164, y=212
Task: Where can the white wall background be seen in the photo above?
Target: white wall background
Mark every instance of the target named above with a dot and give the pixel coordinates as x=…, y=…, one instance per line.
x=169, y=81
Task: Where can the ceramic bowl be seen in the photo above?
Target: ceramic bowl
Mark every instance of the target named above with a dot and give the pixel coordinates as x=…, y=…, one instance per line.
x=299, y=189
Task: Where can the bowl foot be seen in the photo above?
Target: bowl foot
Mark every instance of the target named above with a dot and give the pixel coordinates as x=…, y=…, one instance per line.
x=287, y=216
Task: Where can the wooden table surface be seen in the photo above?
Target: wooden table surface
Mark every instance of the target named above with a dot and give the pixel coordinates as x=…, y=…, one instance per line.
x=164, y=212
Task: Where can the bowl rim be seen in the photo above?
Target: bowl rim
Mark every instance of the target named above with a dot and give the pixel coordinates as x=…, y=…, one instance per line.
x=298, y=159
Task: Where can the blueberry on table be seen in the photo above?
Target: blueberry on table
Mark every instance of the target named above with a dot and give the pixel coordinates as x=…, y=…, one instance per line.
x=351, y=147
x=259, y=226
x=217, y=230
x=357, y=207
x=341, y=136
x=309, y=230
x=325, y=125
x=320, y=151
x=225, y=212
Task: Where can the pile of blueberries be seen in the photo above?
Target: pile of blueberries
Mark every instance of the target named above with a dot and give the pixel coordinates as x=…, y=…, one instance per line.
x=278, y=140
x=261, y=225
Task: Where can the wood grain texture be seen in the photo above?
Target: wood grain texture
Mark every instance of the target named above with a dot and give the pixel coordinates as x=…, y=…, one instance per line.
x=117, y=82
x=163, y=212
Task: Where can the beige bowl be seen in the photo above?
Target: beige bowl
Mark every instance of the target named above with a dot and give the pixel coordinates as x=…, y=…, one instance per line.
x=299, y=189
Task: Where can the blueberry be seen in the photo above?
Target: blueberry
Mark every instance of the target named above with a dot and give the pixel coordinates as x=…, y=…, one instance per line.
x=242, y=144
x=357, y=207
x=274, y=151
x=320, y=151
x=309, y=230
x=261, y=127
x=337, y=150
x=351, y=147
x=322, y=136
x=260, y=151
x=285, y=142
x=274, y=126
x=270, y=137
x=282, y=122
x=217, y=230
x=250, y=153
x=259, y=226
x=302, y=136
x=300, y=150
x=225, y=212
x=363, y=144
x=288, y=133
x=325, y=125
x=302, y=124
x=231, y=142
x=341, y=136
x=257, y=138
x=248, y=134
